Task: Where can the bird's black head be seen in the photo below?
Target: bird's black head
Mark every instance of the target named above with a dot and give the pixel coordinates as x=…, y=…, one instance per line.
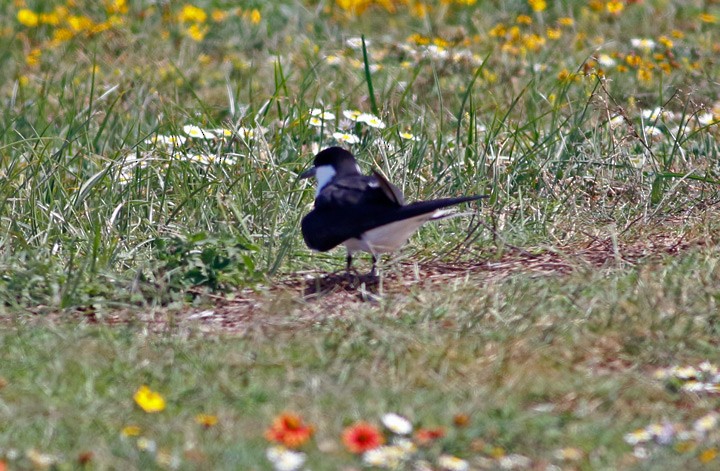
x=340, y=161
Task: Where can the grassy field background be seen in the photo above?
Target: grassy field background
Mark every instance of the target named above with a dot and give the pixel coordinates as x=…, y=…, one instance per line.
x=149, y=156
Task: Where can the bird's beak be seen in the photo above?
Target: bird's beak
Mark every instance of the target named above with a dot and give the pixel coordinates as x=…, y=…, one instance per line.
x=308, y=173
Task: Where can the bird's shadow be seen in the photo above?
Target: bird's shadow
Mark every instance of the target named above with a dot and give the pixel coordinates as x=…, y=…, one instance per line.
x=367, y=286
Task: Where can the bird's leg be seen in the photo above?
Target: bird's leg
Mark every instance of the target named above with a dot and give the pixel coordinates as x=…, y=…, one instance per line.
x=349, y=262
x=374, y=266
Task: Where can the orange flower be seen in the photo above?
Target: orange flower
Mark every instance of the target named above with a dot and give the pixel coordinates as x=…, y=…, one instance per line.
x=425, y=436
x=461, y=420
x=288, y=429
x=206, y=420
x=361, y=437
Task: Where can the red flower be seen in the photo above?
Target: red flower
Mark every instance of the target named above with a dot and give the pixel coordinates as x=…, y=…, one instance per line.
x=289, y=430
x=361, y=437
x=425, y=436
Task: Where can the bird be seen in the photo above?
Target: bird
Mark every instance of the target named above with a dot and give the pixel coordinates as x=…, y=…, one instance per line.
x=363, y=212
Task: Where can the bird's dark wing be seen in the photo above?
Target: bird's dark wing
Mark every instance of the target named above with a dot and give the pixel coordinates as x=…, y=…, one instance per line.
x=390, y=190
x=355, y=190
x=329, y=225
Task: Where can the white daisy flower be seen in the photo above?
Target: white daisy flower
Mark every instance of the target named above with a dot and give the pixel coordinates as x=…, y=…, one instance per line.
x=606, y=61
x=653, y=133
x=389, y=457
x=707, y=119
x=616, y=121
x=651, y=115
x=685, y=372
x=706, y=423
x=223, y=132
x=40, y=460
x=246, y=133
x=352, y=115
x=397, y=424
x=356, y=43
x=640, y=453
x=408, y=136
x=452, y=463
x=204, y=159
x=371, y=120
x=346, y=137
x=324, y=115
x=638, y=436
x=283, y=459
x=515, y=461
x=406, y=445
x=169, y=141
x=198, y=132
x=333, y=60
x=643, y=43
x=315, y=121
x=436, y=52
x=145, y=444
x=693, y=386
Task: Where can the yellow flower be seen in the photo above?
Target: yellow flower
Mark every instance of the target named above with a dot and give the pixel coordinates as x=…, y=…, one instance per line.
x=33, y=57
x=596, y=5
x=684, y=446
x=418, y=39
x=533, y=42
x=708, y=455
x=665, y=41
x=708, y=18
x=130, y=431
x=564, y=75
x=61, y=35
x=196, y=32
x=614, y=7
x=490, y=77
x=644, y=75
x=419, y=10
x=218, y=15
x=524, y=20
x=80, y=23
x=149, y=400
x=498, y=31
x=538, y=5
x=566, y=21
x=554, y=33
x=116, y=7
x=27, y=17
x=206, y=420
x=633, y=60
x=255, y=16
x=440, y=42
x=191, y=13
x=50, y=19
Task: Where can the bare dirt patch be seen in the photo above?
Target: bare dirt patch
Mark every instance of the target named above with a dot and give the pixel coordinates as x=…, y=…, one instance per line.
x=314, y=295
x=299, y=299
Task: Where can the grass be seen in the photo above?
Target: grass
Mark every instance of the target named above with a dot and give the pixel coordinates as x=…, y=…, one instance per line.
x=538, y=365
x=112, y=208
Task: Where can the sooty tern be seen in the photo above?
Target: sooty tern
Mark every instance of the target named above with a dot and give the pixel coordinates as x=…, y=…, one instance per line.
x=363, y=212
